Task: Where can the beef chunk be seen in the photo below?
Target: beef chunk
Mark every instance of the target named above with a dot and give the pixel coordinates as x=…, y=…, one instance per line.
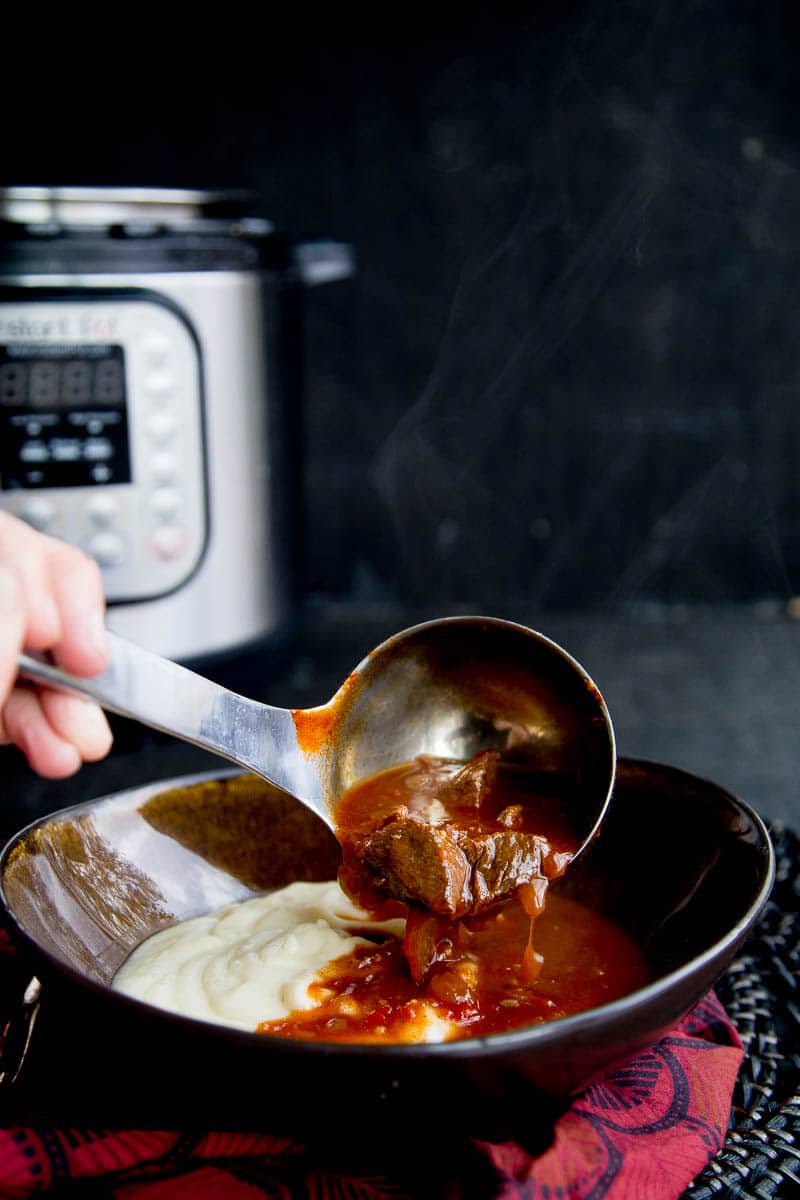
x=446, y=869
x=470, y=786
x=429, y=940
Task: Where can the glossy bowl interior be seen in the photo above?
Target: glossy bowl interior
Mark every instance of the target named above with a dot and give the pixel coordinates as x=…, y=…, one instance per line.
x=680, y=863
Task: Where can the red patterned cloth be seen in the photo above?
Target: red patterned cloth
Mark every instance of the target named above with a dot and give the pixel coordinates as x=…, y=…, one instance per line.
x=641, y=1132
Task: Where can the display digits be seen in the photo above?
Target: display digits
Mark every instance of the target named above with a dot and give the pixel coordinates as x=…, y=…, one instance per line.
x=44, y=385
x=62, y=384
x=13, y=385
x=76, y=384
x=108, y=382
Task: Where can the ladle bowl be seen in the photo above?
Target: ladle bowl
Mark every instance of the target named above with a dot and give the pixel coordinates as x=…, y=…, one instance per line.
x=448, y=688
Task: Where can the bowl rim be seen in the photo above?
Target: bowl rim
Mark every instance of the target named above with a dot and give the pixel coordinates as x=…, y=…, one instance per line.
x=574, y=1027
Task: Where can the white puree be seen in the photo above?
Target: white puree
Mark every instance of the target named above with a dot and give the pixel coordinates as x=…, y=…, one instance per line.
x=254, y=961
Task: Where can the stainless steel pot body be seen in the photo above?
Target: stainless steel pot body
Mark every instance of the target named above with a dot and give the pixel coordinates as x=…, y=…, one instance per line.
x=182, y=482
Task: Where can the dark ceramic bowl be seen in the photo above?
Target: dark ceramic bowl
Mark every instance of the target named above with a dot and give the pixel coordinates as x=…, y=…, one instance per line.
x=685, y=867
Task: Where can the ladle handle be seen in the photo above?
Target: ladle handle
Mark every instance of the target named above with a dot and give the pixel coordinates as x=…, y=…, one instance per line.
x=175, y=700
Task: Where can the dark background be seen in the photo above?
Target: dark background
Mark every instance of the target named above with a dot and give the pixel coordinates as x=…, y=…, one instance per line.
x=563, y=384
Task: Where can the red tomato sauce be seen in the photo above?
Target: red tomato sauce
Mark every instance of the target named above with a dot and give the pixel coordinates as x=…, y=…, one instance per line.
x=369, y=995
x=485, y=973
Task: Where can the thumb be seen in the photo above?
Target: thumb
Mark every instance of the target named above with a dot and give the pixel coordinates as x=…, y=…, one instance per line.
x=12, y=627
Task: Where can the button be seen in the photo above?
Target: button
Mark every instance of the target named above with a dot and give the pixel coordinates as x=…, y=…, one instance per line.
x=161, y=426
x=159, y=383
x=157, y=347
x=34, y=452
x=163, y=466
x=65, y=449
x=169, y=541
x=166, y=502
x=102, y=508
x=97, y=448
x=107, y=548
x=38, y=512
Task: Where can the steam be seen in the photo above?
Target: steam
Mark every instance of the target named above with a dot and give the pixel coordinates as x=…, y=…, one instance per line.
x=429, y=470
x=630, y=246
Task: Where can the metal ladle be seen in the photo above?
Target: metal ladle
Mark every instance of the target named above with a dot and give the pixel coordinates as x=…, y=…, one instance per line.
x=450, y=688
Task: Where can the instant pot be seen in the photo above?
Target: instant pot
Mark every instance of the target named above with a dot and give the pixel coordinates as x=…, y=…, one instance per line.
x=149, y=368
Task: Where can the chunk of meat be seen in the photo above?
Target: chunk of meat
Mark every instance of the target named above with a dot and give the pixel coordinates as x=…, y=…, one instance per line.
x=430, y=939
x=446, y=869
x=471, y=785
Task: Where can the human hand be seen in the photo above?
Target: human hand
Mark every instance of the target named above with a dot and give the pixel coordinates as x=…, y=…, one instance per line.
x=51, y=599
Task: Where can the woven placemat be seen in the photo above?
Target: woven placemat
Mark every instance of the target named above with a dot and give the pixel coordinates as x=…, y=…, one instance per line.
x=761, y=992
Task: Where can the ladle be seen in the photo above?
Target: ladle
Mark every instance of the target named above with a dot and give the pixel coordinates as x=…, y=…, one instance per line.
x=449, y=688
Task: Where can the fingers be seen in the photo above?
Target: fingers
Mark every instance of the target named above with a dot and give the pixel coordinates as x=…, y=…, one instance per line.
x=79, y=722
x=13, y=621
x=26, y=725
x=51, y=599
x=62, y=594
x=56, y=732
x=77, y=589
x=25, y=553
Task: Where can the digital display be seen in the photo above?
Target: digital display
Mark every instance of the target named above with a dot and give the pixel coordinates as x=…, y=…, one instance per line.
x=59, y=378
x=63, y=416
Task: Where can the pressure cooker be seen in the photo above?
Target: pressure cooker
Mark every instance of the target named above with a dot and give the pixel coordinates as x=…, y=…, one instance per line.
x=149, y=368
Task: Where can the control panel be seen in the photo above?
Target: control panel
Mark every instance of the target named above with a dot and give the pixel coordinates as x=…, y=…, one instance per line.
x=101, y=434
